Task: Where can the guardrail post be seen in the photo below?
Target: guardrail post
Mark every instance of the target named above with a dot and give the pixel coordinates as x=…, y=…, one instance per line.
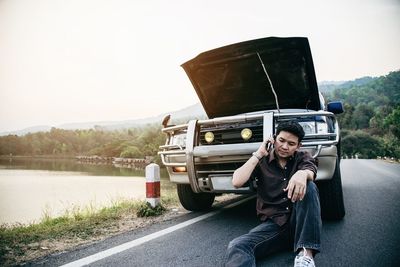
x=153, y=184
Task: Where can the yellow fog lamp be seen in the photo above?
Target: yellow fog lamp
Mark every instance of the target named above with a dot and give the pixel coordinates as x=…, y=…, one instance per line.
x=209, y=137
x=179, y=169
x=246, y=134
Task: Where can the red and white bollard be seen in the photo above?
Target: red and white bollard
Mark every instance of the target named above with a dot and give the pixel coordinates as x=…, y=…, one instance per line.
x=153, y=184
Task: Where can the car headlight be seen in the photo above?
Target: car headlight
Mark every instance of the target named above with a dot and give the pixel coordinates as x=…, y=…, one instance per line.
x=322, y=127
x=312, y=127
x=308, y=127
x=179, y=140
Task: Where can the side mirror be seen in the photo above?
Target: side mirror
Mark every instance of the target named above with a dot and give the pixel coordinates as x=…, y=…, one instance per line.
x=336, y=107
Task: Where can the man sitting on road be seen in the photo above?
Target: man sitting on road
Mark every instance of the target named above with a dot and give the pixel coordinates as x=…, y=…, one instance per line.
x=287, y=201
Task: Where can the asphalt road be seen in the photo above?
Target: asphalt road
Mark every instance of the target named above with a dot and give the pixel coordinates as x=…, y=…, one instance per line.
x=369, y=235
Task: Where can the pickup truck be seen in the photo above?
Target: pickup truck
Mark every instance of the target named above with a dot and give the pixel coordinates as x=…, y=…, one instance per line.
x=247, y=89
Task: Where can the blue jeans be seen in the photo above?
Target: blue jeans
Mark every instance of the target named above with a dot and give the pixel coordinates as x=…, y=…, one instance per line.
x=302, y=230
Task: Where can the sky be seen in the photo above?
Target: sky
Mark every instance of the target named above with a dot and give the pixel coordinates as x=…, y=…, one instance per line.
x=66, y=61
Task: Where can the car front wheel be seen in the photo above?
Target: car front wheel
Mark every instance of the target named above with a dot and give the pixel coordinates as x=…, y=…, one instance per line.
x=331, y=196
x=194, y=201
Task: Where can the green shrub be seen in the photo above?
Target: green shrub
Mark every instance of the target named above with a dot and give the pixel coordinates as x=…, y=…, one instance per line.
x=146, y=210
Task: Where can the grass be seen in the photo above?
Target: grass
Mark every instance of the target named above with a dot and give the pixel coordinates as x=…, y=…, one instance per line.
x=76, y=224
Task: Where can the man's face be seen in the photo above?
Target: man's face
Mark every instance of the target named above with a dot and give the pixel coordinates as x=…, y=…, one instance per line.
x=286, y=144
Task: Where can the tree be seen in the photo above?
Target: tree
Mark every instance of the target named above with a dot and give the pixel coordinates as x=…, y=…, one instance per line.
x=361, y=116
x=345, y=118
x=392, y=122
x=362, y=144
x=131, y=152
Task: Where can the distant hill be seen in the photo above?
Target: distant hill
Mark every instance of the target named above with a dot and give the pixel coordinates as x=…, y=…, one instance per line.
x=329, y=86
x=358, y=82
x=192, y=111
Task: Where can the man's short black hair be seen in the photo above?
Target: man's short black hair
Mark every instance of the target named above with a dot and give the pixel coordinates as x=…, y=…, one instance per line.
x=292, y=127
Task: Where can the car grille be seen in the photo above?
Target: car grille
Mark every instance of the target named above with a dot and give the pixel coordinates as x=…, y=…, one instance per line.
x=231, y=134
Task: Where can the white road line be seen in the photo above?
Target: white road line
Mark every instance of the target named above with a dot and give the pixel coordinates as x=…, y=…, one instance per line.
x=111, y=251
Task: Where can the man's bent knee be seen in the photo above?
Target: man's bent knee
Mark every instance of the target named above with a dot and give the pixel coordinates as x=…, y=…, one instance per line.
x=311, y=188
x=311, y=193
x=236, y=243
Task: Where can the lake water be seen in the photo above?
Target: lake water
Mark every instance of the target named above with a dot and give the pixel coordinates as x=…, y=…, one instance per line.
x=31, y=188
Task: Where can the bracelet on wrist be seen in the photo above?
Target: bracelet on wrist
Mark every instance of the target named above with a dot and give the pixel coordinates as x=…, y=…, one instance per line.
x=255, y=155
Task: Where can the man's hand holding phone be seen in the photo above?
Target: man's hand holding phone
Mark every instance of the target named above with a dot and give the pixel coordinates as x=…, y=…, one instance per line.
x=265, y=148
x=268, y=146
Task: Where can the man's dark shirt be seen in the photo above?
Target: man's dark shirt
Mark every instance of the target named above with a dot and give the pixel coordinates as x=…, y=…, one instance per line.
x=272, y=201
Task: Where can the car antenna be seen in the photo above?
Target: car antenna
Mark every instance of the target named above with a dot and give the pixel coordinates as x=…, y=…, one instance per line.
x=270, y=83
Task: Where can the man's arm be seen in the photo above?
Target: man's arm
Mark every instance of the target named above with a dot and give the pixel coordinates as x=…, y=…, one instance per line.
x=242, y=174
x=297, y=185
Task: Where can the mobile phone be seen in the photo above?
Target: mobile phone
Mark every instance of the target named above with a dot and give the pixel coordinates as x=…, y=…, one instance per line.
x=268, y=146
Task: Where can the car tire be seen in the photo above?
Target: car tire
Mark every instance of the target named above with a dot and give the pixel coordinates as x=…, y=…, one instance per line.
x=331, y=196
x=194, y=201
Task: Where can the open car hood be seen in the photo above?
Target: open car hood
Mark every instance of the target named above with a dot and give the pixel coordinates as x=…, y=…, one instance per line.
x=231, y=80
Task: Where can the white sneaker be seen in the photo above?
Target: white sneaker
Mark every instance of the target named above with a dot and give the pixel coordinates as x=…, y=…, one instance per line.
x=302, y=260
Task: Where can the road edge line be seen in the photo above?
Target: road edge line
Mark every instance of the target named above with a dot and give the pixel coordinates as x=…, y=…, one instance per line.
x=139, y=241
